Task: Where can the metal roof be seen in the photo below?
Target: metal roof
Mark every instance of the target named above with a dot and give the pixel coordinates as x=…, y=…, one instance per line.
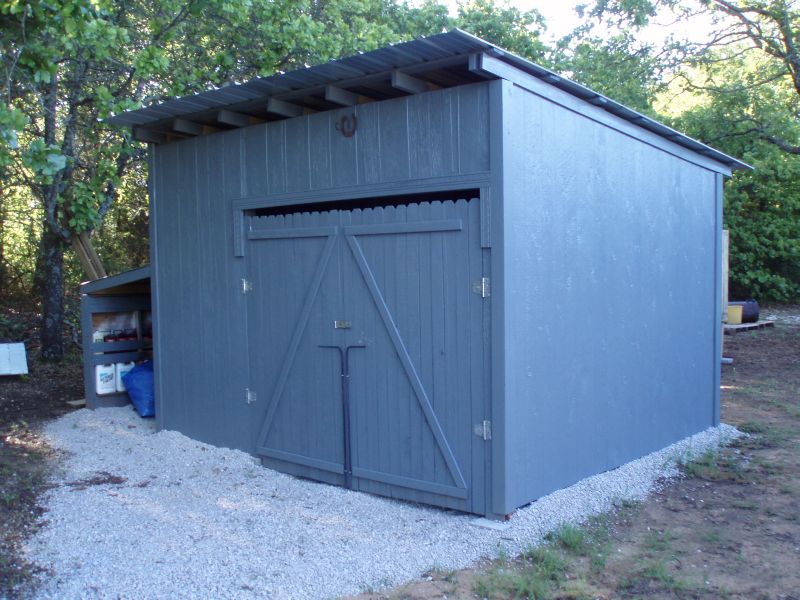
x=113, y=281
x=448, y=51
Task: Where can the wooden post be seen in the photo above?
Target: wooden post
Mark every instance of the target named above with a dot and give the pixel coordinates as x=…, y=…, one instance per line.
x=725, y=246
x=90, y=261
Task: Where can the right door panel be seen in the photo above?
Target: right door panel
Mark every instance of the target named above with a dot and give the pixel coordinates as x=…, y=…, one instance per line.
x=411, y=270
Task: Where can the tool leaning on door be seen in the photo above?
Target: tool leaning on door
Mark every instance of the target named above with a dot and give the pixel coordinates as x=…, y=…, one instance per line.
x=344, y=356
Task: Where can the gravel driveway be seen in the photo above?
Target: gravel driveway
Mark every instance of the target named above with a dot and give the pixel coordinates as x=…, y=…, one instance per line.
x=140, y=514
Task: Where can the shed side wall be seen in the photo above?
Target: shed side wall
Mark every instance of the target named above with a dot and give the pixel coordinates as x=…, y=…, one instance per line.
x=610, y=296
x=439, y=137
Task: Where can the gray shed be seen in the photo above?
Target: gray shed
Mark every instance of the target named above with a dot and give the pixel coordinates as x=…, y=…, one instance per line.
x=435, y=272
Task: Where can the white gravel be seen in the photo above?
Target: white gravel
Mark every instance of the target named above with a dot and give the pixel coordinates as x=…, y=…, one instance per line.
x=782, y=315
x=191, y=520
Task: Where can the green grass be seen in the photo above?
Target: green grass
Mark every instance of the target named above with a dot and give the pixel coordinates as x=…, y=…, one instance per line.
x=753, y=427
x=761, y=435
x=571, y=538
x=793, y=409
x=542, y=571
x=659, y=573
x=658, y=542
x=536, y=575
x=717, y=466
x=744, y=504
x=435, y=572
x=711, y=537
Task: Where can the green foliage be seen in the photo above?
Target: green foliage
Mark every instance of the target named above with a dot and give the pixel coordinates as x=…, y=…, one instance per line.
x=617, y=66
x=70, y=64
x=505, y=26
x=741, y=101
x=763, y=214
x=738, y=90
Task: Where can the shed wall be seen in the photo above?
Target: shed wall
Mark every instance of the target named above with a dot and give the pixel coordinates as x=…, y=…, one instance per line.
x=610, y=297
x=438, y=138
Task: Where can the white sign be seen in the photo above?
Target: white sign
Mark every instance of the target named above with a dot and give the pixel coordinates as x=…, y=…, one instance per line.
x=13, y=360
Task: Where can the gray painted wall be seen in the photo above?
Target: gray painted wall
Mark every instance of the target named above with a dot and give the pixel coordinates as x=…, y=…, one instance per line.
x=610, y=297
x=200, y=314
x=604, y=259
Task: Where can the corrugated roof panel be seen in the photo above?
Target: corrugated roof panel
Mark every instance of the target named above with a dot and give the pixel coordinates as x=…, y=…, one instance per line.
x=406, y=54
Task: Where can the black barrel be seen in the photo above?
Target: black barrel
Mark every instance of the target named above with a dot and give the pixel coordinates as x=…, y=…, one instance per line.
x=749, y=310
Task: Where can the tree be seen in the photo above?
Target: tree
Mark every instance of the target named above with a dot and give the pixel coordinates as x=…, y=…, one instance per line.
x=617, y=67
x=69, y=64
x=766, y=29
x=738, y=89
x=505, y=26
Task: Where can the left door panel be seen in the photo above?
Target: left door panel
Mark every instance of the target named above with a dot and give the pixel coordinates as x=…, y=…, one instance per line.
x=297, y=415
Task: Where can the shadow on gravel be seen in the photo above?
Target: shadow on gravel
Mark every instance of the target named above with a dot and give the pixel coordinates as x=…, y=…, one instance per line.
x=26, y=460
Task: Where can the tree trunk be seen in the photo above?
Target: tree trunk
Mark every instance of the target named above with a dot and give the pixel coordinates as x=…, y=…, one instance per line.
x=3, y=283
x=52, y=296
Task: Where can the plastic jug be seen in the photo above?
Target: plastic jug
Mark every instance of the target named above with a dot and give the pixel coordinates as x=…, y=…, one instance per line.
x=105, y=379
x=121, y=369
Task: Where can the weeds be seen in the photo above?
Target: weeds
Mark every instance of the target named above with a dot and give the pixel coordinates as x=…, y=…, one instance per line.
x=760, y=435
x=542, y=571
x=752, y=427
x=448, y=575
x=570, y=538
x=712, y=537
x=717, y=466
x=658, y=542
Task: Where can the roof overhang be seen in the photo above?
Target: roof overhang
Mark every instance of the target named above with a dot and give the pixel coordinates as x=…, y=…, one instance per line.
x=136, y=281
x=425, y=64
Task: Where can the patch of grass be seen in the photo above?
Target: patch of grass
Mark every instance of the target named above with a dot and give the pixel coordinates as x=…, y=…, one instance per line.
x=761, y=435
x=658, y=542
x=546, y=562
x=769, y=467
x=508, y=582
x=717, y=466
x=711, y=537
x=578, y=589
x=536, y=575
x=659, y=573
x=571, y=538
x=599, y=544
x=753, y=427
x=439, y=574
x=625, y=509
x=744, y=504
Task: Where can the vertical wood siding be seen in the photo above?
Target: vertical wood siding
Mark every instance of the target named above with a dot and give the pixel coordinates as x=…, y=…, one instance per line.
x=201, y=311
x=610, y=287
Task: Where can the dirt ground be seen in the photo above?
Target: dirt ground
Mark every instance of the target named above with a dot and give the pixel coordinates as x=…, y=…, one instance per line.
x=25, y=460
x=729, y=529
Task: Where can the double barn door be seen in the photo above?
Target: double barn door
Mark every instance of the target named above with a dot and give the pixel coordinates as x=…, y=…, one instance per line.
x=367, y=347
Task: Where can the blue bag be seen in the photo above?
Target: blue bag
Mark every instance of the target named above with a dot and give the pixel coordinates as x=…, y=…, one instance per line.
x=139, y=384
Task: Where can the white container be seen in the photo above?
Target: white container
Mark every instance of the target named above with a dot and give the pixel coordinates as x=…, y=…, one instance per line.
x=120, y=370
x=104, y=379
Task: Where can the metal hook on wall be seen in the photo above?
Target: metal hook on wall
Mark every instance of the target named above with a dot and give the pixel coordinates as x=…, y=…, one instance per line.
x=347, y=125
